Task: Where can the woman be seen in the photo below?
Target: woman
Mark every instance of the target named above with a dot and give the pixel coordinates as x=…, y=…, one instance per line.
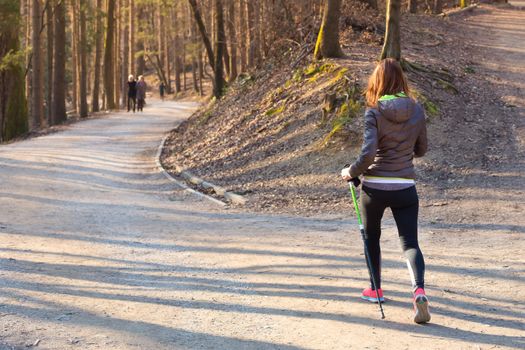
x=395, y=133
x=141, y=93
x=132, y=93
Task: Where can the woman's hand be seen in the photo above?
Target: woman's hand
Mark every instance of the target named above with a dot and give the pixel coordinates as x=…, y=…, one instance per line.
x=345, y=174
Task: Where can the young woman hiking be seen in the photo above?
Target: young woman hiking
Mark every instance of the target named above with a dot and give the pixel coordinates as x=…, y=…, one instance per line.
x=395, y=133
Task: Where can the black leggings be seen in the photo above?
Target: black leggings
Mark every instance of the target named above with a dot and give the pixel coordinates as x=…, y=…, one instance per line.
x=404, y=205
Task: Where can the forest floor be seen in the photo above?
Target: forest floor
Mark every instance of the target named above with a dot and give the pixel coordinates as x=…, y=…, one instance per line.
x=100, y=251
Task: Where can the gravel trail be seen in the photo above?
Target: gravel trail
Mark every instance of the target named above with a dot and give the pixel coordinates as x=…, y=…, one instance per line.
x=99, y=251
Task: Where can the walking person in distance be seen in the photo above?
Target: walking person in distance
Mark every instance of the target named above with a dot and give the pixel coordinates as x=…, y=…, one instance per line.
x=141, y=93
x=395, y=133
x=162, y=90
x=132, y=93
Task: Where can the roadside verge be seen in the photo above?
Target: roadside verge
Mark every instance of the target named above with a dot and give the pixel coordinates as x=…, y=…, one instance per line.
x=197, y=181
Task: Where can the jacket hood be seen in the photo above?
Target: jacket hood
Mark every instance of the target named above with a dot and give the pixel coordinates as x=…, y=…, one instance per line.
x=396, y=109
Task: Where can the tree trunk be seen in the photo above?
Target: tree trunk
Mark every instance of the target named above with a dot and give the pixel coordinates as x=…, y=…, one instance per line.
x=202, y=30
x=201, y=74
x=412, y=6
x=160, y=35
x=75, y=54
x=98, y=54
x=83, y=61
x=218, y=84
x=392, y=45
x=109, y=71
x=195, y=50
x=58, y=114
x=253, y=44
x=372, y=4
x=131, y=29
x=233, y=41
x=116, y=55
x=37, y=83
x=184, y=64
x=13, y=103
x=49, y=73
x=327, y=44
x=242, y=34
x=438, y=7
x=26, y=44
x=124, y=67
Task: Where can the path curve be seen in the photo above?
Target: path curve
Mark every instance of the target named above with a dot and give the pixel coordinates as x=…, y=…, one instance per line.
x=98, y=250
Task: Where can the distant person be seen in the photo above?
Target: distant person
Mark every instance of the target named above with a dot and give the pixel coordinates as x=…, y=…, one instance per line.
x=141, y=93
x=162, y=90
x=395, y=133
x=132, y=93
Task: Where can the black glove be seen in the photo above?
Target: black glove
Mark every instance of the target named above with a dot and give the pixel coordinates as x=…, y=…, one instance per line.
x=355, y=181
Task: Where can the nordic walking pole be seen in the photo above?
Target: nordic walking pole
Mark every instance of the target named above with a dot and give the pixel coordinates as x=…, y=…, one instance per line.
x=362, y=229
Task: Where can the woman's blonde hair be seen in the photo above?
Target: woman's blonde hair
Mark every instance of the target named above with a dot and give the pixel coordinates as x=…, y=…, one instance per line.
x=387, y=79
x=141, y=77
x=131, y=77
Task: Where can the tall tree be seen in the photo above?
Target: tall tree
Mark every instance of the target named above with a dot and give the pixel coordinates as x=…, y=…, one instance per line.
x=243, y=25
x=75, y=53
x=253, y=32
x=124, y=68
x=116, y=54
x=83, y=60
x=392, y=44
x=233, y=41
x=437, y=7
x=218, y=84
x=412, y=6
x=202, y=29
x=50, y=44
x=98, y=54
x=131, y=28
x=13, y=103
x=37, y=81
x=58, y=114
x=109, y=69
x=327, y=44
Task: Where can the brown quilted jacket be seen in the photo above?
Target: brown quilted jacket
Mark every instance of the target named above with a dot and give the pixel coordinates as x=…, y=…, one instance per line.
x=395, y=133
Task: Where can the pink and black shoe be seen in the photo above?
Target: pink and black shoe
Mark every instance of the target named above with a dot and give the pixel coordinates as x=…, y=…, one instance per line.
x=421, y=306
x=371, y=295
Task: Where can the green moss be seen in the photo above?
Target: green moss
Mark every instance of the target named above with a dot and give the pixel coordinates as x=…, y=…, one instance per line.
x=297, y=75
x=348, y=111
x=431, y=108
x=469, y=69
x=274, y=111
x=311, y=70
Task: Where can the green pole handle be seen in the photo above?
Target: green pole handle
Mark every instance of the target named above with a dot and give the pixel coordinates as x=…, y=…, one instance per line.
x=356, y=206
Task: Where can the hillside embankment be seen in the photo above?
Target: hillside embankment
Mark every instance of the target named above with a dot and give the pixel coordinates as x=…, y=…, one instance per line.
x=282, y=133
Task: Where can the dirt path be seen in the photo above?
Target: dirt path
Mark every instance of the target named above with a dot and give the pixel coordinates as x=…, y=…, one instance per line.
x=99, y=251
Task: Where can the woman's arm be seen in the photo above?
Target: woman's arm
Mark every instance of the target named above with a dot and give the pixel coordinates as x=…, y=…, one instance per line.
x=369, y=148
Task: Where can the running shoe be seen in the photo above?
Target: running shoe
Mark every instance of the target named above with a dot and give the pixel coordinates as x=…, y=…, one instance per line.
x=371, y=295
x=421, y=306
